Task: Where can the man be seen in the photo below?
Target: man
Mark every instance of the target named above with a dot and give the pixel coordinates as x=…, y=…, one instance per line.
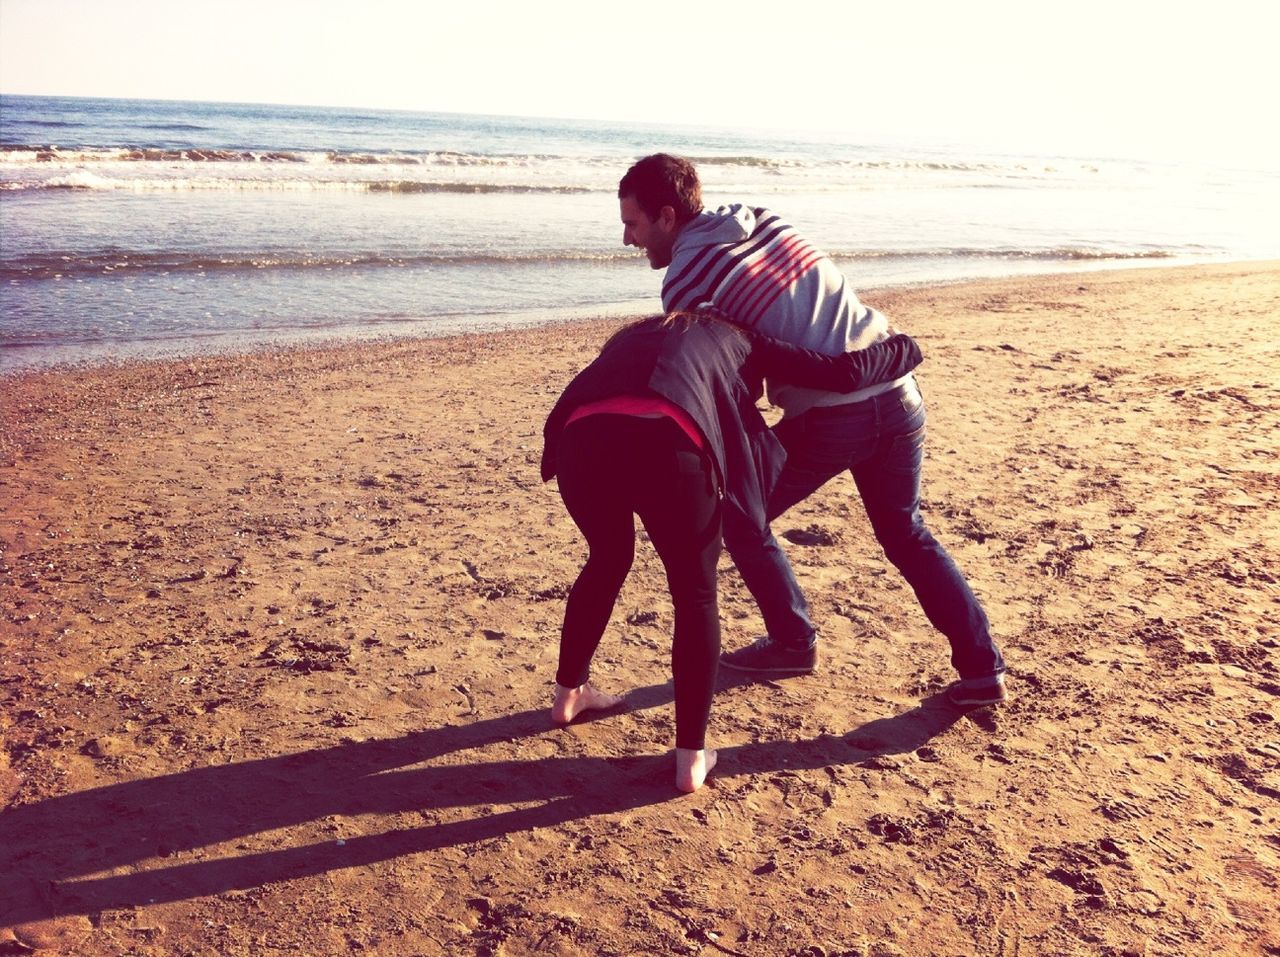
x=757, y=271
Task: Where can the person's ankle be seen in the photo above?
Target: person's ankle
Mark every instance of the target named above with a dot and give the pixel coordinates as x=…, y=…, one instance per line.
x=985, y=681
x=692, y=767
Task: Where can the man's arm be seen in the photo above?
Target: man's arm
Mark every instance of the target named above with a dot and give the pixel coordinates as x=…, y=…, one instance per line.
x=885, y=361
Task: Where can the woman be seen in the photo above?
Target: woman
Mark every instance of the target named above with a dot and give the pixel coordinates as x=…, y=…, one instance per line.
x=663, y=424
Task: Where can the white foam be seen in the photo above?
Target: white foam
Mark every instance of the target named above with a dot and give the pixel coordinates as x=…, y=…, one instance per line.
x=80, y=179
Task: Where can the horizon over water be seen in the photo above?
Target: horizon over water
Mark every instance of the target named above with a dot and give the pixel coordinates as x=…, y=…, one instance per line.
x=140, y=228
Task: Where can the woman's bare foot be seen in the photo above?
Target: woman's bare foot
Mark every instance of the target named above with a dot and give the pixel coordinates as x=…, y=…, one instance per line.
x=571, y=702
x=692, y=768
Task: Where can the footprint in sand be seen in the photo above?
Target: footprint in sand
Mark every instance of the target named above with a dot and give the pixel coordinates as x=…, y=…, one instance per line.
x=814, y=535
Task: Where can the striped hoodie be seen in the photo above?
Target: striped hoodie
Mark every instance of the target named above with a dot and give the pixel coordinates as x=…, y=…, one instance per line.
x=759, y=272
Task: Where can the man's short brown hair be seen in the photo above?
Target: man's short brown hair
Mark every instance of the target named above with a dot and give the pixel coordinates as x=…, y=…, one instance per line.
x=664, y=180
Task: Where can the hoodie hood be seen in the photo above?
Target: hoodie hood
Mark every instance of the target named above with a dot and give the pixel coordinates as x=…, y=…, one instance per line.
x=728, y=224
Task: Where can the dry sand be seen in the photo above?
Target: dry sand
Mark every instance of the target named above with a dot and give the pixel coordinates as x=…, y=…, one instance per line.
x=279, y=634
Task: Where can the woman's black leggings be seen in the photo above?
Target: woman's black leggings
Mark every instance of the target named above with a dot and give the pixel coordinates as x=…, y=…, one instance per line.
x=614, y=466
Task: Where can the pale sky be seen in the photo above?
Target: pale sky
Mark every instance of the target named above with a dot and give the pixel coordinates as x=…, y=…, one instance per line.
x=1145, y=76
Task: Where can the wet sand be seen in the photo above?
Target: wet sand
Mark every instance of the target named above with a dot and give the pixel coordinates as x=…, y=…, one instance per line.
x=279, y=635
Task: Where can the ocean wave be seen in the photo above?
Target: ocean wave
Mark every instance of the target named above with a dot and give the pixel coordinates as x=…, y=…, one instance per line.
x=375, y=159
x=65, y=266
x=1056, y=254
x=54, y=124
x=85, y=180
x=21, y=154
x=24, y=153
x=62, y=266
x=892, y=164
x=415, y=186
x=175, y=126
x=755, y=162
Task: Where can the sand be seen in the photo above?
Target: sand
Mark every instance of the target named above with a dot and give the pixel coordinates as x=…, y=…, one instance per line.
x=279, y=634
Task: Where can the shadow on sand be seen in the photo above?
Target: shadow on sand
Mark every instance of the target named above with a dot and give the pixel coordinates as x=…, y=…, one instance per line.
x=48, y=849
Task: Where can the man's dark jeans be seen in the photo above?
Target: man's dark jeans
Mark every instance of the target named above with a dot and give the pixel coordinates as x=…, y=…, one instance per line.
x=881, y=442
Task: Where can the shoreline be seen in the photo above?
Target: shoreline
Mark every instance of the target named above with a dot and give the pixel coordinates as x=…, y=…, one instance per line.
x=279, y=636
x=384, y=332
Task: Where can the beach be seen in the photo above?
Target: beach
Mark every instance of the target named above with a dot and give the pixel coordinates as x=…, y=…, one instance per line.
x=153, y=229
x=279, y=634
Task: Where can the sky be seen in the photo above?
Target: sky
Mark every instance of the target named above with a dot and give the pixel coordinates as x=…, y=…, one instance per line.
x=1132, y=77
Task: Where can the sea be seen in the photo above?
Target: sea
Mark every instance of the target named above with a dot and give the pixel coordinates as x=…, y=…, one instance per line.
x=152, y=228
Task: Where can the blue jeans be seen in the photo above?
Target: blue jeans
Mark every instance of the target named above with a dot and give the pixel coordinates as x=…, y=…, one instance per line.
x=881, y=442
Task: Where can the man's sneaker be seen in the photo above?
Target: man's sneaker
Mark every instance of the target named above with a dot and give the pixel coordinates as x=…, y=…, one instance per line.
x=766, y=656
x=977, y=694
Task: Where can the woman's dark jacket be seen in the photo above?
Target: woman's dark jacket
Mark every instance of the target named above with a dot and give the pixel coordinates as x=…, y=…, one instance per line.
x=714, y=372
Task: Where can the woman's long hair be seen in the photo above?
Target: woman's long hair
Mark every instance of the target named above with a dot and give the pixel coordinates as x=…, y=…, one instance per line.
x=678, y=320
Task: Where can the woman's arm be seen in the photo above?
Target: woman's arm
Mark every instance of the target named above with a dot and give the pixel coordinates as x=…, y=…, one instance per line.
x=883, y=362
